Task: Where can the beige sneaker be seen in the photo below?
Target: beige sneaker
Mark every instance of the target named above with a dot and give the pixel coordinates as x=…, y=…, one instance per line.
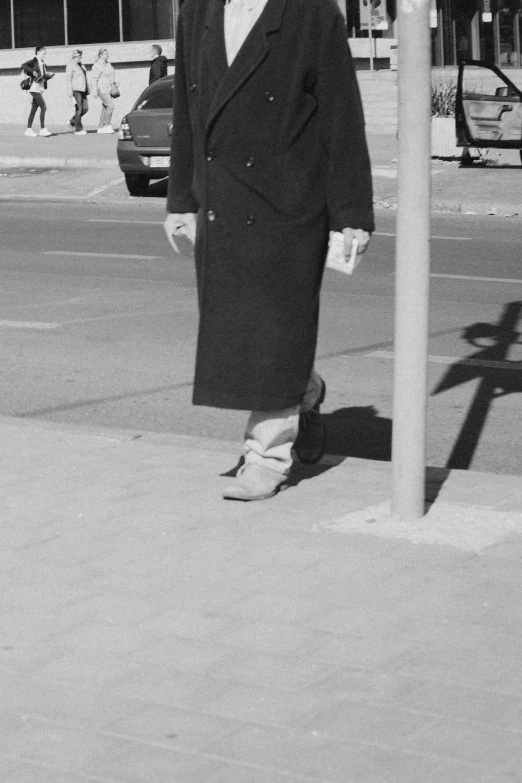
x=255, y=482
x=45, y=132
x=30, y=132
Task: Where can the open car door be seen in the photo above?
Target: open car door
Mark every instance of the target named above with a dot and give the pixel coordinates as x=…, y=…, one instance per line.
x=488, y=109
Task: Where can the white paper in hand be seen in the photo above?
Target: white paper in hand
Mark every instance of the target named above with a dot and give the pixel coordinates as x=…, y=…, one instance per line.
x=336, y=259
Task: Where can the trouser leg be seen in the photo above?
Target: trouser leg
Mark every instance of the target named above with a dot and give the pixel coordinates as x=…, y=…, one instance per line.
x=313, y=391
x=108, y=108
x=270, y=435
x=43, y=108
x=78, y=110
x=32, y=113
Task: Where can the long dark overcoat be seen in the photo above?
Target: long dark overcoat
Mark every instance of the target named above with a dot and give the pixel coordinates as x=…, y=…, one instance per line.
x=271, y=153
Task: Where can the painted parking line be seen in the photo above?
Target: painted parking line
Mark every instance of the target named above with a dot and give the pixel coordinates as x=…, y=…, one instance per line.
x=477, y=279
x=38, y=325
x=389, y=234
x=489, y=363
x=98, y=255
x=103, y=188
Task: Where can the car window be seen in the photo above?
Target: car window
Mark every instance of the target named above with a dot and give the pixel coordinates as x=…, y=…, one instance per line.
x=159, y=96
x=480, y=81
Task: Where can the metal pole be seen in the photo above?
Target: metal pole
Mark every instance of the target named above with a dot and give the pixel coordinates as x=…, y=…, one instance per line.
x=120, y=19
x=413, y=260
x=12, y=25
x=65, y=23
x=370, y=33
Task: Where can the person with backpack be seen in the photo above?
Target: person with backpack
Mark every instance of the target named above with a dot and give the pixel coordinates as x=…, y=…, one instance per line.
x=36, y=69
x=77, y=90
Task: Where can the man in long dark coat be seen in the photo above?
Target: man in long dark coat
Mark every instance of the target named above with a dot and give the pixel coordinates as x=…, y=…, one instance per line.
x=268, y=156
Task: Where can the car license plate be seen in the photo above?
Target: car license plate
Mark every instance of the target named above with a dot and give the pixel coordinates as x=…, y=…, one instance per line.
x=160, y=162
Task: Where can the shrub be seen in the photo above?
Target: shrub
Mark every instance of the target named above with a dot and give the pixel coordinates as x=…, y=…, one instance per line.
x=443, y=97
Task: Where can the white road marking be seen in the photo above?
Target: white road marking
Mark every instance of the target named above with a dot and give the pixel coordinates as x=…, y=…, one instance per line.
x=130, y=222
x=507, y=365
x=98, y=191
x=457, y=239
x=97, y=255
x=477, y=279
x=39, y=325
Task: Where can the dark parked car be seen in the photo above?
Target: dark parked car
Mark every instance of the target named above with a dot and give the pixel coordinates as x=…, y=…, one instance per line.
x=144, y=137
x=488, y=109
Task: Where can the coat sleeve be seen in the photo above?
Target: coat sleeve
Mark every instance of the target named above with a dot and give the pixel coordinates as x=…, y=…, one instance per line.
x=95, y=75
x=68, y=78
x=180, y=197
x=29, y=68
x=349, y=186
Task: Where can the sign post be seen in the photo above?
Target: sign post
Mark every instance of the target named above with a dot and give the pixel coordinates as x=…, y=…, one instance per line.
x=370, y=36
x=412, y=260
x=373, y=16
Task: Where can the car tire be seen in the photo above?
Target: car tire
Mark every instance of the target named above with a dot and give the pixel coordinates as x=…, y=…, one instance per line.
x=137, y=184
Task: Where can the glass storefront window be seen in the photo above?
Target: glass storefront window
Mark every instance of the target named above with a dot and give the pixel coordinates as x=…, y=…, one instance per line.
x=143, y=21
x=5, y=24
x=506, y=32
x=38, y=23
x=92, y=21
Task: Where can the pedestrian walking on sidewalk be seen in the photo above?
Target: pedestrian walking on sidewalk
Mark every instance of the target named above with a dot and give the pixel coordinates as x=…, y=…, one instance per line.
x=268, y=155
x=158, y=67
x=104, y=86
x=77, y=90
x=40, y=75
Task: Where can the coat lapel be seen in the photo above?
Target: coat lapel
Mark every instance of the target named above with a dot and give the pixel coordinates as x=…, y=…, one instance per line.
x=253, y=52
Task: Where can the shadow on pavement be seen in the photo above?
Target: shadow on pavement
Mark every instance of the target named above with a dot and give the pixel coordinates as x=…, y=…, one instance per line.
x=498, y=377
x=158, y=188
x=359, y=432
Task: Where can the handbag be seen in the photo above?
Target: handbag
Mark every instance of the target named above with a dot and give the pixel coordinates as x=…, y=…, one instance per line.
x=26, y=82
x=115, y=93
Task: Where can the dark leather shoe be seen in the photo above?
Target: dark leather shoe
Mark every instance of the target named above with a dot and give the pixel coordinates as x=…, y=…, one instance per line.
x=310, y=443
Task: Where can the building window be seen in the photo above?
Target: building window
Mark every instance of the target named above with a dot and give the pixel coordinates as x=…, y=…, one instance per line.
x=143, y=21
x=5, y=24
x=92, y=21
x=43, y=22
x=39, y=24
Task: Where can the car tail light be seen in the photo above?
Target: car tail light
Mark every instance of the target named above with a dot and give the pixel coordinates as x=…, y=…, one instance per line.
x=124, y=132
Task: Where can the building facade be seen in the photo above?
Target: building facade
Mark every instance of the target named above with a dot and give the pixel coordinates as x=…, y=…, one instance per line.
x=488, y=30
x=477, y=29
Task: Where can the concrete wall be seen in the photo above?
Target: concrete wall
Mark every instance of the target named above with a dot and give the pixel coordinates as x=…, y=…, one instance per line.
x=487, y=78
x=131, y=62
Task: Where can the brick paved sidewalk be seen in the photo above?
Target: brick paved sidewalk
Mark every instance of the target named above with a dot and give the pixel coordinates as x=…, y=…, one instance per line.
x=153, y=632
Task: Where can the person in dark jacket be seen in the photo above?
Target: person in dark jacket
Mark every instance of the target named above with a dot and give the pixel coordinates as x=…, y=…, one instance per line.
x=40, y=75
x=268, y=157
x=158, y=68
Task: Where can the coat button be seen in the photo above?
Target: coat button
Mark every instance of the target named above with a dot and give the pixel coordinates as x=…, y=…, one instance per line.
x=250, y=163
x=211, y=215
x=269, y=96
x=250, y=220
x=211, y=155
x=192, y=88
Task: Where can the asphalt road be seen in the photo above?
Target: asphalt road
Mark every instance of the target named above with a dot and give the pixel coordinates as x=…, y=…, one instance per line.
x=98, y=327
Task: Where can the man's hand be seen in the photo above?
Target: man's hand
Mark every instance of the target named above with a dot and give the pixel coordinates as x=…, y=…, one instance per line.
x=180, y=224
x=363, y=237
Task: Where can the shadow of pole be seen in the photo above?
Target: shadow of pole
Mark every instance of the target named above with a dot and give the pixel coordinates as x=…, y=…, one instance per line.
x=497, y=380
